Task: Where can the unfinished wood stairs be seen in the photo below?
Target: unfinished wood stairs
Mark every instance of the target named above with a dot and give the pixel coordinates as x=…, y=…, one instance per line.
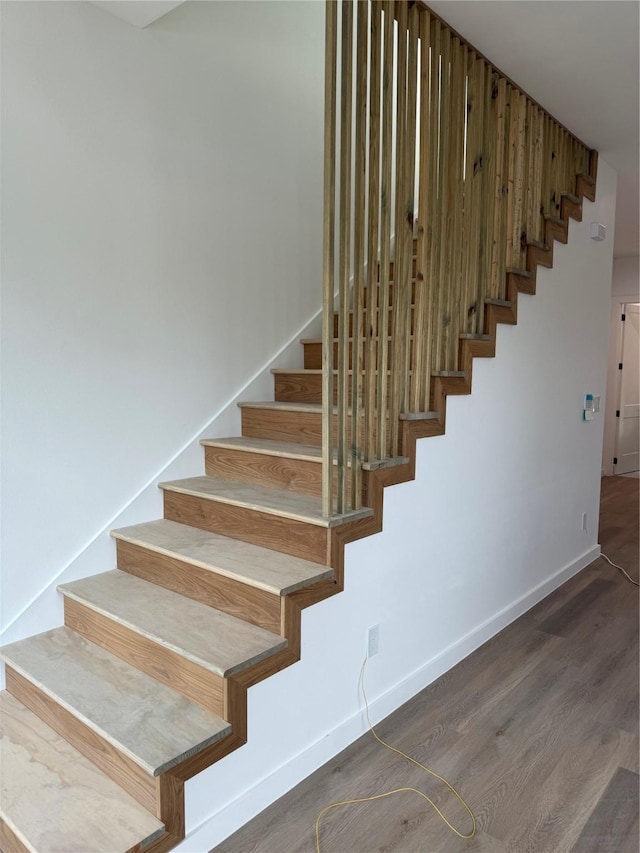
x=146, y=684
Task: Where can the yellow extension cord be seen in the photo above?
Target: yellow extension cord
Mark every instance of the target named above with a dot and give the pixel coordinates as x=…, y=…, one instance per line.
x=397, y=790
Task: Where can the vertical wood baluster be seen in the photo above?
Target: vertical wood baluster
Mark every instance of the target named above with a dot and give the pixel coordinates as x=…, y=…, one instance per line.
x=527, y=178
x=499, y=198
x=488, y=185
x=535, y=172
x=359, y=228
x=507, y=194
x=422, y=315
x=440, y=271
x=409, y=206
x=345, y=251
x=562, y=182
x=555, y=161
x=473, y=187
x=566, y=162
x=435, y=206
x=512, y=224
x=399, y=263
x=385, y=235
x=456, y=192
x=546, y=165
x=519, y=182
x=480, y=72
x=557, y=184
x=577, y=164
x=513, y=142
x=373, y=239
x=573, y=164
x=592, y=157
x=466, y=299
x=328, y=255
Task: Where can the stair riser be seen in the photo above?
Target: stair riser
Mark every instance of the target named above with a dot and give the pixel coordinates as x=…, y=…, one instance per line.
x=238, y=599
x=555, y=231
x=307, y=388
x=170, y=668
x=336, y=322
x=119, y=767
x=300, y=475
x=9, y=841
x=313, y=354
x=303, y=427
x=163, y=845
x=495, y=314
x=392, y=267
x=288, y=535
x=585, y=189
x=443, y=387
x=521, y=284
x=392, y=286
x=571, y=209
x=470, y=349
x=541, y=257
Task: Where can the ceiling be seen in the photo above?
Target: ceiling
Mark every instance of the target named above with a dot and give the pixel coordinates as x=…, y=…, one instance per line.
x=578, y=58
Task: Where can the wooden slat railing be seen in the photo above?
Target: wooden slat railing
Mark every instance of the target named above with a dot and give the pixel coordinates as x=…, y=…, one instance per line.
x=442, y=171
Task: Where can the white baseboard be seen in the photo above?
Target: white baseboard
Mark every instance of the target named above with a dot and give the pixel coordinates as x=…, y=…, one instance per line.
x=231, y=816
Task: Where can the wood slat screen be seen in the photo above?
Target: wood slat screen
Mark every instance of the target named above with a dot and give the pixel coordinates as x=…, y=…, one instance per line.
x=439, y=173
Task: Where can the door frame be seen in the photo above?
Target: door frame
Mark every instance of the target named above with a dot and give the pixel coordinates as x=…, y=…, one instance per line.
x=620, y=360
x=610, y=436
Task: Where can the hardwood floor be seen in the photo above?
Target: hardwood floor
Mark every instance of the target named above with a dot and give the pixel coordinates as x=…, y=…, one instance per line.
x=538, y=730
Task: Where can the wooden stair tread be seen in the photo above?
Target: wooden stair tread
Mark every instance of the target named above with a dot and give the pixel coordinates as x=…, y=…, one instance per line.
x=269, y=447
x=310, y=408
x=419, y=416
x=538, y=244
x=350, y=339
x=316, y=408
x=258, y=567
x=209, y=638
x=280, y=502
x=501, y=303
x=314, y=371
x=55, y=799
x=570, y=197
x=585, y=177
x=520, y=272
x=155, y=726
x=286, y=449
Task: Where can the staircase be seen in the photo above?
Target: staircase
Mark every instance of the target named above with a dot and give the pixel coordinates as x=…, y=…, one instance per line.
x=104, y=719
x=146, y=684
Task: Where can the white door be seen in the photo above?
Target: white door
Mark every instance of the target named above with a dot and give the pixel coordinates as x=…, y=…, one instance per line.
x=628, y=439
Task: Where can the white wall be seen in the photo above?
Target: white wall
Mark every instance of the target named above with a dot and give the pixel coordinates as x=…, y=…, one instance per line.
x=135, y=165
x=625, y=287
x=491, y=524
x=161, y=224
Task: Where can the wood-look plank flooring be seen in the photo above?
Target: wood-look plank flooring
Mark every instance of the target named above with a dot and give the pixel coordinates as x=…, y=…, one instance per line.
x=538, y=730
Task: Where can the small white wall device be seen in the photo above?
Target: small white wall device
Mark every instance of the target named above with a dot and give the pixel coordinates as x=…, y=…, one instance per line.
x=591, y=407
x=598, y=231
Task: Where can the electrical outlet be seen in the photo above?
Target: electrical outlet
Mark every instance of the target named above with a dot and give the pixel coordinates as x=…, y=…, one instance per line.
x=584, y=521
x=373, y=641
